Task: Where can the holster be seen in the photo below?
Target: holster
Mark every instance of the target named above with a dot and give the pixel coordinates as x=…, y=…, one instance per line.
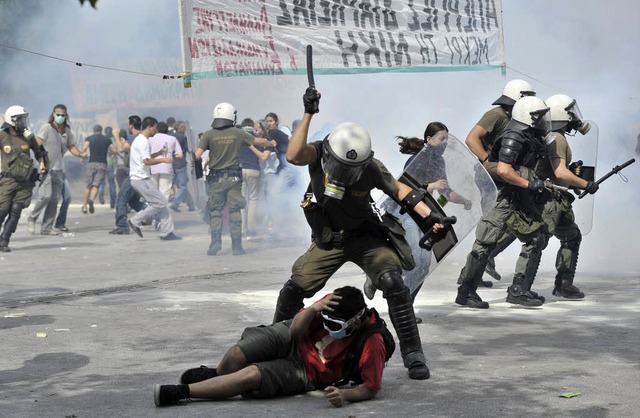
x=393, y=230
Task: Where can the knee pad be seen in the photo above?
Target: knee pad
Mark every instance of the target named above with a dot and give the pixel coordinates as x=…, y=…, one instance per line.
x=572, y=244
x=540, y=241
x=391, y=284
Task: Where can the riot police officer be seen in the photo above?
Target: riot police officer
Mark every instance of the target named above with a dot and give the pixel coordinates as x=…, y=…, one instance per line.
x=17, y=173
x=345, y=228
x=516, y=211
x=566, y=118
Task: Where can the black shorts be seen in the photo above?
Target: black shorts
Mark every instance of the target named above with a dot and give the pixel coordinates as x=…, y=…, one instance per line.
x=276, y=355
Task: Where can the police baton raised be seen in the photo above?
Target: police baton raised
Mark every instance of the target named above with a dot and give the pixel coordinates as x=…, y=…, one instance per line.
x=615, y=170
x=310, y=78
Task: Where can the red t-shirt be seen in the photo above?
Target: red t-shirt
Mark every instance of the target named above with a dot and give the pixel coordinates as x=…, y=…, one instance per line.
x=324, y=356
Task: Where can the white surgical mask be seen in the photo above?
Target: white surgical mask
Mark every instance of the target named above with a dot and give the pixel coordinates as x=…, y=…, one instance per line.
x=59, y=119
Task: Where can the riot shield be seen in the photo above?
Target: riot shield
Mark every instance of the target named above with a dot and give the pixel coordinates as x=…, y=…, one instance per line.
x=468, y=182
x=585, y=148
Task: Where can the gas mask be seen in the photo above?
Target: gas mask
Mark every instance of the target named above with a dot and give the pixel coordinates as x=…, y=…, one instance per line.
x=340, y=174
x=338, y=328
x=21, y=123
x=579, y=126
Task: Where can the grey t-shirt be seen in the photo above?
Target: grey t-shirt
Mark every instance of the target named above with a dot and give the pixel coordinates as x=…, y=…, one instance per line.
x=55, y=144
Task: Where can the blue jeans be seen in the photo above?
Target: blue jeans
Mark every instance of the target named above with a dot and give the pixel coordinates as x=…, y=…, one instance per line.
x=182, y=195
x=61, y=220
x=127, y=197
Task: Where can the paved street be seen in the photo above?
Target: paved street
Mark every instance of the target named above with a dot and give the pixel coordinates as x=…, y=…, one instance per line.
x=91, y=322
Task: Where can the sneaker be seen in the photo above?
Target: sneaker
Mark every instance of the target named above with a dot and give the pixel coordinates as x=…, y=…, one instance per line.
x=198, y=375
x=170, y=237
x=62, y=228
x=136, y=229
x=84, y=210
x=472, y=300
x=119, y=231
x=164, y=395
x=31, y=226
x=91, y=208
x=49, y=232
x=192, y=209
x=175, y=209
x=101, y=198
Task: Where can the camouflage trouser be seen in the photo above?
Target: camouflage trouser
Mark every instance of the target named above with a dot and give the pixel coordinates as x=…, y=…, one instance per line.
x=226, y=191
x=560, y=220
x=505, y=218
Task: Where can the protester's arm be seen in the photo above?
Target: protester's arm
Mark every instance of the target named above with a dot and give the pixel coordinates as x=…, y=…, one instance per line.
x=302, y=320
x=338, y=396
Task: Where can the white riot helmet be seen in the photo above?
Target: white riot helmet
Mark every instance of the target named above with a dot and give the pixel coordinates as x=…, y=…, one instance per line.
x=513, y=91
x=346, y=152
x=565, y=114
x=533, y=112
x=224, y=115
x=18, y=117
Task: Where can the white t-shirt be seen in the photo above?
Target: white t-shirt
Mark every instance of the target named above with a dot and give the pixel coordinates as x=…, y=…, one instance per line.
x=138, y=153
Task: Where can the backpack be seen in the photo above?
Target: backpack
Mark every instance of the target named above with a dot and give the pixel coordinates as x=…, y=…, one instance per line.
x=350, y=370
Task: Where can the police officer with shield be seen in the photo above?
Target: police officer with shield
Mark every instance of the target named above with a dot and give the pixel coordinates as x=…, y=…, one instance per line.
x=566, y=118
x=517, y=210
x=345, y=228
x=17, y=173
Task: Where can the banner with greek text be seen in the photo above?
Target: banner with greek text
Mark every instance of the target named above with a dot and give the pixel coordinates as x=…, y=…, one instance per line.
x=227, y=38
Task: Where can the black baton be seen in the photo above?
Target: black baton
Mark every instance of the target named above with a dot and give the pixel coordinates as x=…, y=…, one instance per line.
x=615, y=170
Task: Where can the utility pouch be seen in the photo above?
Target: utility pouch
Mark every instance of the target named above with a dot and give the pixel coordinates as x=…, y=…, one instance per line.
x=393, y=229
x=21, y=167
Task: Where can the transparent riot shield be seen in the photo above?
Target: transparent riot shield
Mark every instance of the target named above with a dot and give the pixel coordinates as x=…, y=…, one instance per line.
x=585, y=148
x=455, y=183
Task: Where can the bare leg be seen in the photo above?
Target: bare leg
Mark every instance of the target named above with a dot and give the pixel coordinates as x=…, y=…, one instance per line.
x=221, y=387
x=233, y=360
x=94, y=193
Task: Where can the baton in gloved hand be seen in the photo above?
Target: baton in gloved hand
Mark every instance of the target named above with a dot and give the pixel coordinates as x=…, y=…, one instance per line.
x=615, y=170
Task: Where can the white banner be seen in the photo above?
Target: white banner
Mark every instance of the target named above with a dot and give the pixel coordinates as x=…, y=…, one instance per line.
x=226, y=38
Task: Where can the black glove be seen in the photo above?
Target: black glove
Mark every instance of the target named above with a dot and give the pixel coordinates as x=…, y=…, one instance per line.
x=592, y=187
x=576, y=167
x=536, y=185
x=311, y=100
x=435, y=218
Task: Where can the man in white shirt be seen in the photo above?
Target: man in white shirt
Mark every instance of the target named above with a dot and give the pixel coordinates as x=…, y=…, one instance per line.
x=140, y=174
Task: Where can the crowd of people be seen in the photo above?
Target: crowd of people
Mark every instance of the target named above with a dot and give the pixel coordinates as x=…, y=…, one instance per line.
x=521, y=143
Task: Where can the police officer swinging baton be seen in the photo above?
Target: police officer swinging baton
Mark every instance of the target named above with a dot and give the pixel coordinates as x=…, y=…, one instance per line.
x=615, y=170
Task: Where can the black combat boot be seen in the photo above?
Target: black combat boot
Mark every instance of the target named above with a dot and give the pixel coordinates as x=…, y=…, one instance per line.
x=467, y=296
x=4, y=245
x=519, y=294
x=216, y=243
x=10, y=227
x=403, y=319
x=564, y=288
x=236, y=245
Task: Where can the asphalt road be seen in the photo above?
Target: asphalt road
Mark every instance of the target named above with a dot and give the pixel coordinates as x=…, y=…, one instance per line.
x=91, y=322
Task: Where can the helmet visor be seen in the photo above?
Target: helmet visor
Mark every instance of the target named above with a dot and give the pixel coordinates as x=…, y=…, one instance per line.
x=342, y=172
x=541, y=120
x=574, y=111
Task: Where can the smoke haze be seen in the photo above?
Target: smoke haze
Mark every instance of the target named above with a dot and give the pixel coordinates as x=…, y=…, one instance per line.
x=583, y=48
